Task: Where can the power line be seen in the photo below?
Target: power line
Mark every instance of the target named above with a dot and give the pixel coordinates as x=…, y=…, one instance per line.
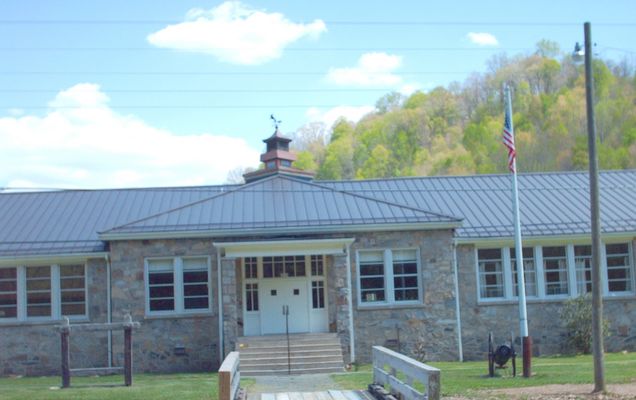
x=298, y=49
x=182, y=107
x=213, y=73
x=328, y=22
x=205, y=90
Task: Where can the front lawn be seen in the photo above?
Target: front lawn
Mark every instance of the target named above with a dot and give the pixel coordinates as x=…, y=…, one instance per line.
x=145, y=386
x=463, y=378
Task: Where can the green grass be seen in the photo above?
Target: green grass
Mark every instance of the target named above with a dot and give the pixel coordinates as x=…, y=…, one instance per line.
x=145, y=386
x=464, y=378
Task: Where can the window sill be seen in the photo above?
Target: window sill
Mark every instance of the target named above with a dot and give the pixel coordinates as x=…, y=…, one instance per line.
x=41, y=322
x=391, y=306
x=202, y=314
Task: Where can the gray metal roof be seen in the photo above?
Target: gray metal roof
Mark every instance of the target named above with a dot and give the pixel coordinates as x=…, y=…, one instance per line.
x=551, y=204
x=281, y=202
x=61, y=222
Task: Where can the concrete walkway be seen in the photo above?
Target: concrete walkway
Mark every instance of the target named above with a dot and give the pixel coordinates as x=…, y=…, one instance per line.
x=292, y=383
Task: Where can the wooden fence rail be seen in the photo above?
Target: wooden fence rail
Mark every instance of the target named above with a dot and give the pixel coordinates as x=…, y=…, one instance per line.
x=403, y=374
x=229, y=377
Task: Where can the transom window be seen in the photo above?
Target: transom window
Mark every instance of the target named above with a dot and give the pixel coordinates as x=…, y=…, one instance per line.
x=177, y=285
x=42, y=292
x=284, y=266
x=388, y=276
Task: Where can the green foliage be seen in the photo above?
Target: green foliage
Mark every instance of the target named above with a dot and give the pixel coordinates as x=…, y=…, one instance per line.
x=305, y=161
x=577, y=315
x=457, y=130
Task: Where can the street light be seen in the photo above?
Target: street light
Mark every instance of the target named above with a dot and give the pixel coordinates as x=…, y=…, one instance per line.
x=597, y=301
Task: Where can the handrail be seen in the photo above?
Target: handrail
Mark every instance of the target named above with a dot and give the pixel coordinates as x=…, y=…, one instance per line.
x=411, y=369
x=229, y=376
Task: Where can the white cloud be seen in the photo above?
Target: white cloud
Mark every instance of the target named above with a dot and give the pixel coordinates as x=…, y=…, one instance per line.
x=328, y=117
x=373, y=69
x=82, y=143
x=235, y=33
x=482, y=39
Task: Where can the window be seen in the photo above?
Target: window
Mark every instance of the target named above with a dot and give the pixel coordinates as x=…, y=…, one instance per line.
x=389, y=276
x=283, y=266
x=372, y=276
x=42, y=292
x=619, y=268
x=317, y=294
x=583, y=267
x=72, y=290
x=195, y=284
x=529, y=272
x=491, y=278
x=161, y=285
x=555, y=270
x=251, y=296
x=178, y=285
x=8, y=293
x=317, y=266
x=250, y=267
x=405, y=275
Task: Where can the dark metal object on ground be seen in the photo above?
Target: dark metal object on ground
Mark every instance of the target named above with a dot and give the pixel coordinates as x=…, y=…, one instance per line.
x=497, y=358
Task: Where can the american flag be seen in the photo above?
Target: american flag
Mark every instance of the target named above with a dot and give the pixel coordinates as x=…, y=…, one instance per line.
x=509, y=136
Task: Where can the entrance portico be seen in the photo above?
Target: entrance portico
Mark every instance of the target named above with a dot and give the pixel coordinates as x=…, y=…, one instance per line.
x=309, y=276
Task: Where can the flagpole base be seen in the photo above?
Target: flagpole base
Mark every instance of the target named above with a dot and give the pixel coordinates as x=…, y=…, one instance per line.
x=526, y=344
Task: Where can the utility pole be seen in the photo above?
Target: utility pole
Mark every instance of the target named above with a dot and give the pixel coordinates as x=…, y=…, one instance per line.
x=597, y=300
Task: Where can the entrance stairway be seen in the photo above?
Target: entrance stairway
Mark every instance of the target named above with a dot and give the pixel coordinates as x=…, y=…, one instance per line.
x=310, y=353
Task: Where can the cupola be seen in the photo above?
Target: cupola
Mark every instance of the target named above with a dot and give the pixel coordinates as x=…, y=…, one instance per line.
x=277, y=159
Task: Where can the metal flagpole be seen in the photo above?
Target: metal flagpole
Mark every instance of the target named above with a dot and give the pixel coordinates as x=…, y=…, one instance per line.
x=521, y=286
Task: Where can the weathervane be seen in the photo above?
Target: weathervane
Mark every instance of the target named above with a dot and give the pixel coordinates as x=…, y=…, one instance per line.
x=276, y=122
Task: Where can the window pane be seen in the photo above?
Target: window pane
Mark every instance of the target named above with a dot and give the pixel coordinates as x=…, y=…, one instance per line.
x=318, y=294
x=193, y=264
x=8, y=293
x=73, y=291
x=583, y=267
x=372, y=276
x=529, y=272
x=317, y=267
x=195, y=284
x=161, y=285
x=405, y=279
x=251, y=296
x=619, y=267
x=38, y=284
x=556, y=274
x=491, y=282
x=250, y=267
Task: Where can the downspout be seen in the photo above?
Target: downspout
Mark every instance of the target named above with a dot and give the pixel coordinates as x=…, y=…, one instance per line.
x=220, y=304
x=109, y=311
x=352, y=343
x=460, y=349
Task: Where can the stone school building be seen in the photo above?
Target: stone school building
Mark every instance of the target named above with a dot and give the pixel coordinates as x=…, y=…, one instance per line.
x=424, y=263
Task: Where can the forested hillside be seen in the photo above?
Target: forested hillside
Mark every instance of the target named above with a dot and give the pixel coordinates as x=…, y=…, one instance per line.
x=457, y=129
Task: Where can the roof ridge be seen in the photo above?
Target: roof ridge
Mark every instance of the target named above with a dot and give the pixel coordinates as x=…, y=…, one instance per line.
x=394, y=204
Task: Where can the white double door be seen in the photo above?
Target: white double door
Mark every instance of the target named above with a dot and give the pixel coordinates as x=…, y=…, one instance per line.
x=275, y=295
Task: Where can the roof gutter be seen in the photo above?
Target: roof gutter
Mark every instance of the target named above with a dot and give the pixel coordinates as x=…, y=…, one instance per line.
x=49, y=258
x=280, y=230
x=579, y=237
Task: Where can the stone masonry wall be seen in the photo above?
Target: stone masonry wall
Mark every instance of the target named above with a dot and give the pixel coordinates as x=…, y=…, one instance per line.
x=544, y=323
x=428, y=330
x=171, y=343
x=33, y=348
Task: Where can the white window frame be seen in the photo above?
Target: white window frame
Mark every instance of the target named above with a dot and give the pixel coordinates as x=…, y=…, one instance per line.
x=389, y=289
x=177, y=271
x=56, y=295
x=540, y=272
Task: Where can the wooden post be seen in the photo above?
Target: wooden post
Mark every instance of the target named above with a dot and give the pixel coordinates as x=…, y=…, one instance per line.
x=66, y=358
x=128, y=355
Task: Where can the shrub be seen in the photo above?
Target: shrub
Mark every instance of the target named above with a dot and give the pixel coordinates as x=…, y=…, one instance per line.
x=577, y=315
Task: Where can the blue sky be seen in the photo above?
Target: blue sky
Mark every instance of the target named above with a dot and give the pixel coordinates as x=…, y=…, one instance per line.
x=144, y=93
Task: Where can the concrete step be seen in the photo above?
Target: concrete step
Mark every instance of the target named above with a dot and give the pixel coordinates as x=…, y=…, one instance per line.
x=310, y=353
x=264, y=361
